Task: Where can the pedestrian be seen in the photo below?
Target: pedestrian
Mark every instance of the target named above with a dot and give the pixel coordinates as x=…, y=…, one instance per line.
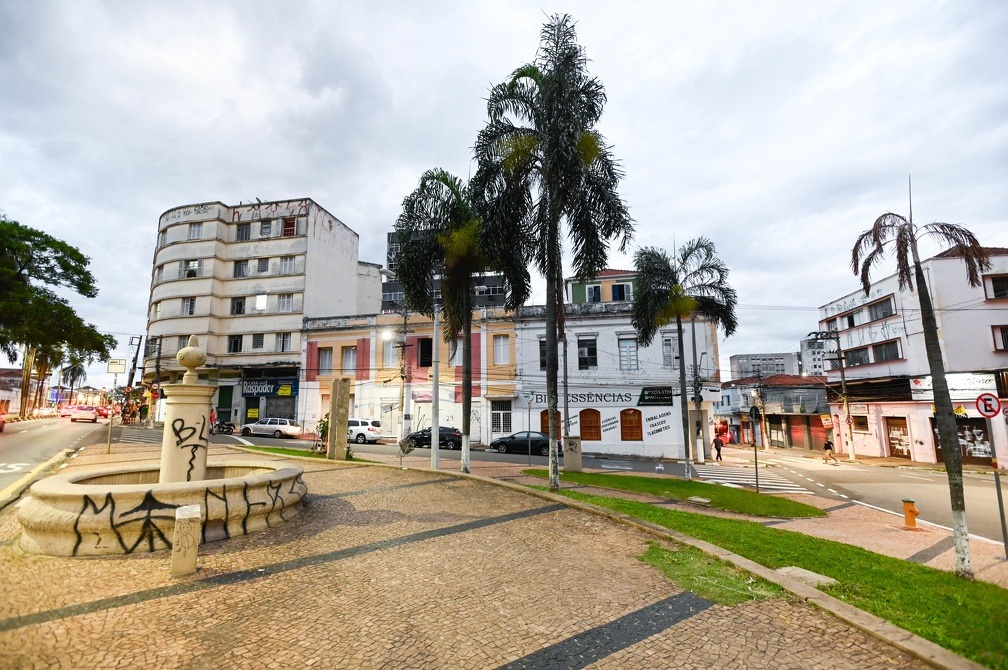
x=717, y=447
x=828, y=453
x=213, y=419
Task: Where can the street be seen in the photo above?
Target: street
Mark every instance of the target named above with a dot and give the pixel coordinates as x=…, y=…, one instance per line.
x=26, y=444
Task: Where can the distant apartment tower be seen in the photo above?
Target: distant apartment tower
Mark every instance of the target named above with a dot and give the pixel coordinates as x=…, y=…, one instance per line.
x=751, y=365
x=490, y=288
x=812, y=358
x=242, y=279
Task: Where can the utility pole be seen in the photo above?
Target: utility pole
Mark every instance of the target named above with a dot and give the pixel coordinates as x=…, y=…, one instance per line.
x=135, y=341
x=701, y=446
x=835, y=337
x=436, y=388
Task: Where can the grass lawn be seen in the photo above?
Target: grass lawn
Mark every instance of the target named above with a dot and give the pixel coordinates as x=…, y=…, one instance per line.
x=721, y=497
x=969, y=618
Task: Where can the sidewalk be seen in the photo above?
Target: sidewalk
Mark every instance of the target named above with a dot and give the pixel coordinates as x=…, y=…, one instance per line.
x=410, y=568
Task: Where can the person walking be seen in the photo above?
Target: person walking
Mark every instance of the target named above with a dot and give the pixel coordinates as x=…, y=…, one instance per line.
x=828, y=453
x=213, y=419
x=718, y=443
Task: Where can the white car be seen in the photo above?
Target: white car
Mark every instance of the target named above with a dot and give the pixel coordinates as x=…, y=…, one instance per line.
x=274, y=427
x=363, y=430
x=84, y=413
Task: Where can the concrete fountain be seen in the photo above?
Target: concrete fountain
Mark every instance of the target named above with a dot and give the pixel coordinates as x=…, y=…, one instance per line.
x=132, y=508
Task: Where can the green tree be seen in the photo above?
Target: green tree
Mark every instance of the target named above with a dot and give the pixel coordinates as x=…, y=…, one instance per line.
x=439, y=233
x=894, y=232
x=72, y=374
x=669, y=289
x=542, y=164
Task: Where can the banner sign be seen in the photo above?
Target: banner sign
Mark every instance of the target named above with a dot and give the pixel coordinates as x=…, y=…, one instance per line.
x=269, y=388
x=656, y=395
x=962, y=386
x=827, y=420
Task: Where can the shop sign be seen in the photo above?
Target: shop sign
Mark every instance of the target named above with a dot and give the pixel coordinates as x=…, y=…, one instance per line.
x=962, y=386
x=827, y=420
x=269, y=388
x=656, y=395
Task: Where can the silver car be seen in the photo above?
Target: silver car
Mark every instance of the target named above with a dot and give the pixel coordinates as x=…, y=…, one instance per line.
x=274, y=427
x=84, y=413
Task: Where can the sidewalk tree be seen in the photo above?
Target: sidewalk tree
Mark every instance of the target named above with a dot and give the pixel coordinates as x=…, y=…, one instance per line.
x=900, y=235
x=542, y=164
x=669, y=289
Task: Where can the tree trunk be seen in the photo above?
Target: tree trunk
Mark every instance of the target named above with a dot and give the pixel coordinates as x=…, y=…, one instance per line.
x=466, y=378
x=552, y=271
x=944, y=417
x=683, y=400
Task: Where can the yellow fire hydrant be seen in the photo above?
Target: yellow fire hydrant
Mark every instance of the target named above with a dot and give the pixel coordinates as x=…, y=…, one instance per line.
x=910, y=513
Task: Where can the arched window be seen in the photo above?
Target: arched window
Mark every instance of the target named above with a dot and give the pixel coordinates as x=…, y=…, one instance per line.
x=544, y=421
x=631, y=426
x=591, y=425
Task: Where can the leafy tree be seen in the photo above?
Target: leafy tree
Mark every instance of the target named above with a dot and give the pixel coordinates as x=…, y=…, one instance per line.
x=894, y=232
x=668, y=289
x=543, y=164
x=439, y=232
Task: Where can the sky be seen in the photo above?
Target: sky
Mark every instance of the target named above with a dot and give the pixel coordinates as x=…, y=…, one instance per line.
x=779, y=130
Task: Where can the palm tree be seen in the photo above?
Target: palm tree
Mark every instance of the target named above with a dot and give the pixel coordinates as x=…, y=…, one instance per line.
x=72, y=374
x=542, y=163
x=870, y=248
x=694, y=282
x=46, y=358
x=439, y=232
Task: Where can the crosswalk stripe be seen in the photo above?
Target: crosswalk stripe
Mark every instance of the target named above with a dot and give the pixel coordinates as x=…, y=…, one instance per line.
x=746, y=477
x=140, y=435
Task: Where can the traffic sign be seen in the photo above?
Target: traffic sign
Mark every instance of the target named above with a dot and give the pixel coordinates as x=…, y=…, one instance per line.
x=155, y=386
x=154, y=394
x=850, y=421
x=988, y=405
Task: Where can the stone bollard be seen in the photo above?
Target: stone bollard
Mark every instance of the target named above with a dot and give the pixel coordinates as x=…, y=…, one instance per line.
x=185, y=543
x=572, y=453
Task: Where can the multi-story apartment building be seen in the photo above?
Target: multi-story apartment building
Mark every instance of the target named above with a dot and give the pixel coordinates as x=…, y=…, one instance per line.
x=749, y=365
x=812, y=358
x=792, y=407
x=241, y=278
x=888, y=379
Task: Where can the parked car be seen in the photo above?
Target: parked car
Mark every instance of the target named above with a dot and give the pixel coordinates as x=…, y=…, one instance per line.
x=519, y=442
x=42, y=412
x=103, y=411
x=84, y=413
x=65, y=410
x=274, y=427
x=363, y=430
x=451, y=438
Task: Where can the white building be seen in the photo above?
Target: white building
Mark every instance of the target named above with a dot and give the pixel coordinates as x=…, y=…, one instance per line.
x=886, y=366
x=241, y=278
x=750, y=365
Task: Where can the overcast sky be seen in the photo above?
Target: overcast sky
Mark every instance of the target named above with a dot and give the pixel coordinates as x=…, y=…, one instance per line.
x=778, y=130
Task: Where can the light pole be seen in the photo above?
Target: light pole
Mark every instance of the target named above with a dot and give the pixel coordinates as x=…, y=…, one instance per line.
x=435, y=444
x=835, y=336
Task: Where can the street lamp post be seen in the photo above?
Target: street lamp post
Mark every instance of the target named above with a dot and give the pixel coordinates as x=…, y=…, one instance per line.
x=835, y=336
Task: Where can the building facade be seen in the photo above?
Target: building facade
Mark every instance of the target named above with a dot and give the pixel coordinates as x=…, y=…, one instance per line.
x=242, y=278
x=750, y=365
x=881, y=342
x=789, y=408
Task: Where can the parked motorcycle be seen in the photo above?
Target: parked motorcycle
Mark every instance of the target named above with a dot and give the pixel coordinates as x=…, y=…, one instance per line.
x=224, y=427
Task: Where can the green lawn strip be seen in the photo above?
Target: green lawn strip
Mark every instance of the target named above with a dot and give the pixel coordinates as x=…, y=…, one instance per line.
x=284, y=451
x=721, y=497
x=968, y=618
x=709, y=577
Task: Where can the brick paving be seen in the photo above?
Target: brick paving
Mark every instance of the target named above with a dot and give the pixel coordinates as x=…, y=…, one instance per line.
x=402, y=568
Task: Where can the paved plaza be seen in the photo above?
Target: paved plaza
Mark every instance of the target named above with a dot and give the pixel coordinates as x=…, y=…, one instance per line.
x=403, y=568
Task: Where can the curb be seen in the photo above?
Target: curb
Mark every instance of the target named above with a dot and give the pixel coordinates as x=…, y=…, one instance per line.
x=14, y=491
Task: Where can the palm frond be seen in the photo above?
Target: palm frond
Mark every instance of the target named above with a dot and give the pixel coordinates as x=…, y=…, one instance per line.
x=966, y=246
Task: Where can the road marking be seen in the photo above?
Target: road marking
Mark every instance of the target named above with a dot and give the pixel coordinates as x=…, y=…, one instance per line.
x=843, y=496
x=822, y=485
x=616, y=467
x=831, y=490
x=729, y=476
x=926, y=479
x=935, y=525
x=7, y=468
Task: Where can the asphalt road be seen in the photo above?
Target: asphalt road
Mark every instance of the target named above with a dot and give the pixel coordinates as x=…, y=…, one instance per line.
x=27, y=444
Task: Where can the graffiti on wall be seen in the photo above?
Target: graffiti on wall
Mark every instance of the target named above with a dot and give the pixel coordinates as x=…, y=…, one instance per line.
x=191, y=438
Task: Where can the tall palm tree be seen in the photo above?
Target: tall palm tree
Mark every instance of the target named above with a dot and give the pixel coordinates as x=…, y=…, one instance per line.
x=72, y=374
x=46, y=359
x=893, y=230
x=439, y=233
x=543, y=164
x=668, y=289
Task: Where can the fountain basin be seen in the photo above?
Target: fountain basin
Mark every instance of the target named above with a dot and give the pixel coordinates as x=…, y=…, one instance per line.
x=124, y=510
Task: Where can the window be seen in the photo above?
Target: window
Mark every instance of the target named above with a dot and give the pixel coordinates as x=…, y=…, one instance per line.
x=243, y=232
x=389, y=359
x=1000, y=338
x=188, y=306
x=856, y=357
x=627, y=353
x=887, y=351
x=262, y=266
x=860, y=423
x=195, y=231
x=265, y=229
x=849, y=320
x=349, y=355
x=591, y=424
x=285, y=302
x=500, y=416
x=286, y=265
x=283, y=341
x=191, y=268
x=234, y=344
x=587, y=353
x=425, y=351
x=289, y=228
x=237, y=306
x=325, y=360
x=162, y=238
x=880, y=310
x=670, y=352
x=157, y=310
x=392, y=296
x=260, y=302
x=631, y=426
x=622, y=292
x=502, y=350
x=183, y=342
x=257, y=340
x=240, y=269
x=593, y=293
x=159, y=274
x=999, y=285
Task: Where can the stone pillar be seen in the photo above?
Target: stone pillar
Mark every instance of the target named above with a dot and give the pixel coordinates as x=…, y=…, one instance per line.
x=187, y=421
x=572, y=453
x=186, y=540
x=339, y=401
